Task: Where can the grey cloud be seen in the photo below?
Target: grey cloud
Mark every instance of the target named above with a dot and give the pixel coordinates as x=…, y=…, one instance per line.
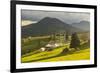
x=68, y=17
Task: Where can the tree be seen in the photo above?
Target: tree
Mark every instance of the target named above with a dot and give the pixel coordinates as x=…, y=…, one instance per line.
x=66, y=36
x=54, y=37
x=75, y=42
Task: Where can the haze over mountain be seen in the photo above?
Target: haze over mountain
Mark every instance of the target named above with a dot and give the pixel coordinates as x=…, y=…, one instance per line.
x=84, y=25
x=47, y=26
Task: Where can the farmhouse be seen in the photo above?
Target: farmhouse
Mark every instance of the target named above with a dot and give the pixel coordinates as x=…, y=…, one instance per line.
x=50, y=47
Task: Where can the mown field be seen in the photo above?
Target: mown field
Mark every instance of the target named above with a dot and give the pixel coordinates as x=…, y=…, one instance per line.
x=31, y=52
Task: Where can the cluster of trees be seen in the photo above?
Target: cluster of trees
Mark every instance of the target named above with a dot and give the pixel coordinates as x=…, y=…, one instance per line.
x=75, y=41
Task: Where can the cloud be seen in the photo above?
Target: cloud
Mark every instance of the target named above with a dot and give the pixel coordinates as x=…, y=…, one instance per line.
x=27, y=22
x=68, y=17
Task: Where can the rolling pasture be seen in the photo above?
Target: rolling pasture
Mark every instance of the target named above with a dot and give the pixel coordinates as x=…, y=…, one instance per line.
x=31, y=51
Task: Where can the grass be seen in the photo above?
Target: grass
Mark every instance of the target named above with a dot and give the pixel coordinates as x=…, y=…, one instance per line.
x=33, y=44
x=31, y=51
x=43, y=55
x=79, y=55
x=58, y=54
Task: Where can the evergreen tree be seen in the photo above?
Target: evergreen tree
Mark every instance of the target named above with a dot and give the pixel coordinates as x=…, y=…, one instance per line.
x=75, y=42
x=66, y=37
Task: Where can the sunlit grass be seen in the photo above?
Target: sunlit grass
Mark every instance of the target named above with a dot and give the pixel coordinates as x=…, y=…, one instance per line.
x=51, y=56
x=79, y=55
x=44, y=54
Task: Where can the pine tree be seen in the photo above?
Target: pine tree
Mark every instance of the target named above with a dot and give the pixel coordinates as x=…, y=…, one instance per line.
x=75, y=42
x=66, y=37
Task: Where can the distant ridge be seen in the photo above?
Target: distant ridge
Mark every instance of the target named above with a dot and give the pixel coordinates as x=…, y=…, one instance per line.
x=84, y=25
x=47, y=26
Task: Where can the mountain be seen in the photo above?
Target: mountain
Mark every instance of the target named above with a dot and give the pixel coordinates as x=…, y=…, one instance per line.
x=47, y=26
x=84, y=25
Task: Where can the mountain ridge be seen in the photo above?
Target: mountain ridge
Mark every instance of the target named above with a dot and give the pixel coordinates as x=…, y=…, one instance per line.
x=84, y=25
x=47, y=26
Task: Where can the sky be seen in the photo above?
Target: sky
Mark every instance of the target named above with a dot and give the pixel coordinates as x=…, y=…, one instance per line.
x=33, y=16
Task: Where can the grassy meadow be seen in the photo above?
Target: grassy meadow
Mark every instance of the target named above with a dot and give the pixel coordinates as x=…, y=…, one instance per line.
x=31, y=49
